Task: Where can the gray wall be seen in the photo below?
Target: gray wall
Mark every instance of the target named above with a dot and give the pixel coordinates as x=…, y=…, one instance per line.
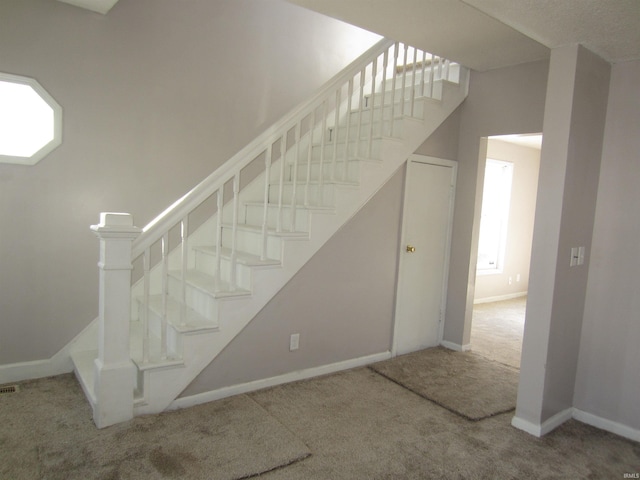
x=156, y=95
x=569, y=169
x=608, y=383
x=341, y=303
x=522, y=209
x=502, y=101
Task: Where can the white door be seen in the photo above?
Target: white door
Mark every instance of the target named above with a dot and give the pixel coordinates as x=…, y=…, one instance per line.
x=424, y=259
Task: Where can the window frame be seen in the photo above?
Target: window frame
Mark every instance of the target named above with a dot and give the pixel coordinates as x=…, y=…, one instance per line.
x=56, y=141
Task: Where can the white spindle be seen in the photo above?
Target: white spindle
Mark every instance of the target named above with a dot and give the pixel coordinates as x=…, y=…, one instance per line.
x=404, y=79
x=234, y=231
x=446, y=70
x=312, y=126
x=393, y=86
x=335, y=134
x=265, y=213
x=432, y=66
x=424, y=62
x=363, y=74
x=184, y=233
x=165, y=295
x=440, y=68
x=385, y=65
x=374, y=74
x=322, y=142
x=294, y=188
x=414, y=79
x=146, y=260
x=220, y=204
x=348, y=132
x=283, y=154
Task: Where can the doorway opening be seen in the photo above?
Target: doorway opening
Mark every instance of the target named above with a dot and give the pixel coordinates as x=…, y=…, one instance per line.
x=504, y=246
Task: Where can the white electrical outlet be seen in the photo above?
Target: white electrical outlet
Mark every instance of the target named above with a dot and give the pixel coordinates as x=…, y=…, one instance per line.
x=294, y=342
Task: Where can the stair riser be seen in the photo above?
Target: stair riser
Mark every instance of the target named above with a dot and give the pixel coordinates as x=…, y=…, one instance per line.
x=314, y=194
x=379, y=129
x=200, y=301
x=251, y=242
x=330, y=171
x=418, y=111
x=206, y=263
x=255, y=215
x=155, y=329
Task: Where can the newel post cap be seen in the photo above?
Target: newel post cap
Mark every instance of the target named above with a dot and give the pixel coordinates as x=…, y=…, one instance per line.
x=116, y=223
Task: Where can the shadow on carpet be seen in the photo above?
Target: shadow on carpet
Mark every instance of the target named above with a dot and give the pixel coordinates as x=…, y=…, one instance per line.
x=464, y=383
x=48, y=434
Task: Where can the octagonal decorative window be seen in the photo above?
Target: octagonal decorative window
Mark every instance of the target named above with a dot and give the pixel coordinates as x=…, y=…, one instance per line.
x=30, y=120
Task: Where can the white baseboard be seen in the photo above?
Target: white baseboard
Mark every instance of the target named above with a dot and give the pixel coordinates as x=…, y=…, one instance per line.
x=499, y=298
x=608, y=425
x=545, y=427
x=456, y=346
x=225, y=392
x=57, y=365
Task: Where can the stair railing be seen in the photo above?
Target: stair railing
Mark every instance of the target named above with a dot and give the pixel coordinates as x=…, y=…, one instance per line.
x=323, y=123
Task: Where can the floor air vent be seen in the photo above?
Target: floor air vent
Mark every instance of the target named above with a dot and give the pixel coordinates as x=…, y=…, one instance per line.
x=9, y=389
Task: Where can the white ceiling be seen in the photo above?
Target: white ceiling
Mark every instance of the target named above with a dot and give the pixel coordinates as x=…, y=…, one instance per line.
x=531, y=140
x=486, y=34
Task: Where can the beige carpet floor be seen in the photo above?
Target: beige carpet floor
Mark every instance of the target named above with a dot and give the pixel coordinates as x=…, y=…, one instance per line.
x=465, y=383
x=497, y=329
x=47, y=433
x=361, y=426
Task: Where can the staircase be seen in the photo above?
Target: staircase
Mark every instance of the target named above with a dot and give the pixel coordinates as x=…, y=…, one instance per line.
x=173, y=297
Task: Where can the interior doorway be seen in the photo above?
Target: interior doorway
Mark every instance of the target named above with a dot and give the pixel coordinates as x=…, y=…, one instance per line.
x=504, y=247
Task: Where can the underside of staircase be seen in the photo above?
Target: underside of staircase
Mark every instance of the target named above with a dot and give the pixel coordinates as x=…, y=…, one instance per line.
x=203, y=270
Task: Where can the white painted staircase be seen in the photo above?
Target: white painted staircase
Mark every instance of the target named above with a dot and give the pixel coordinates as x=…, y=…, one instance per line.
x=176, y=293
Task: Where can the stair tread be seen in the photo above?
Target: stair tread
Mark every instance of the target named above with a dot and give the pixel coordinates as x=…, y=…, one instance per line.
x=207, y=283
x=270, y=231
x=242, y=258
x=311, y=208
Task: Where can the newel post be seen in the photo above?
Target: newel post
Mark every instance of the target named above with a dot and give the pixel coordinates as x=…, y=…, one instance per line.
x=114, y=372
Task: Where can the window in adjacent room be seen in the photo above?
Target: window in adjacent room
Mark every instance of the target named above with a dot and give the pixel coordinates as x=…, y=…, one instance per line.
x=494, y=217
x=30, y=120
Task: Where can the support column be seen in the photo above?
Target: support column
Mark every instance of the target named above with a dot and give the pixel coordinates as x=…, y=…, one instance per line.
x=114, y=372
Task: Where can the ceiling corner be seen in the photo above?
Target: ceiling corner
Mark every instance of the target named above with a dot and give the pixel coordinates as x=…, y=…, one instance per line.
x=99, y=6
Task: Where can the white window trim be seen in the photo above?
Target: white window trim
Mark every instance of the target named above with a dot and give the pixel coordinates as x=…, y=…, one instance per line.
x=57, y=121
x=499, y=268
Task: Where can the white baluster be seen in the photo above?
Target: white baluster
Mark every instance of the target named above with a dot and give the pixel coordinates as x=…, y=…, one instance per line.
x=446, y=70
x=348, y=133
x=184, y=234
x=363, y=74
x=220, y=205
x=393, y=86
x=312, y=126
x=146, y=260
x=283, y=154
x=374, y=74
x=432, y=67
x=424, y=62
x=294, y=189
x=265, y=213
x=322, y=142
x=165, y=295
x=404, y=79
x=385, y=65
x=234, y=231
x=335, y=134
x=414, y=79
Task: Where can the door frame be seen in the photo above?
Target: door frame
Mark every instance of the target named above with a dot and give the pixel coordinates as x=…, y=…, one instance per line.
x=415, y=158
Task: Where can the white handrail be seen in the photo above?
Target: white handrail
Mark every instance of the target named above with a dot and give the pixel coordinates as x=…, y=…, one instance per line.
x=154, y=230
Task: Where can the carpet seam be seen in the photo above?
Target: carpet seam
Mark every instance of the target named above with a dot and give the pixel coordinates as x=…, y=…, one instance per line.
x=438, y=403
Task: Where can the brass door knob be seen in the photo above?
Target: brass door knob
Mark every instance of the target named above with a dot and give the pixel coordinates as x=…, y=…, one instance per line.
x=411, y=248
